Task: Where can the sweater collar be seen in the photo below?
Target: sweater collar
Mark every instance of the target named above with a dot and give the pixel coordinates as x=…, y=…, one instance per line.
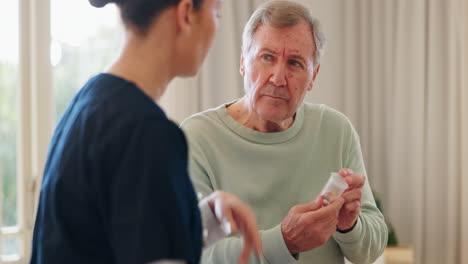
x=261, y=137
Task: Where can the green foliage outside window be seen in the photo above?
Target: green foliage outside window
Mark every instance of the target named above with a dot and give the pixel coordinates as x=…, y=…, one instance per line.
x=8, y=122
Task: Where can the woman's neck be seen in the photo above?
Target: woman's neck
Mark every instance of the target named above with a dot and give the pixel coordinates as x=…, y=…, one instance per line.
x=147, y=60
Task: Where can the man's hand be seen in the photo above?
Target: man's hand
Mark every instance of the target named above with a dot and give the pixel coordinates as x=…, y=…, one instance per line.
x=310, y=225
x=352, y=196
x=235, y=216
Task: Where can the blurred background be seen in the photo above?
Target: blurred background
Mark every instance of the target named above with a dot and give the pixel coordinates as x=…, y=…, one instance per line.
x=397, y=68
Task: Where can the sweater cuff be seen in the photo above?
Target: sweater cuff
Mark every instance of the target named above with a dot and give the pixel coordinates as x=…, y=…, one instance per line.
x=212, y=231
x=274, y=247
x=351, y=236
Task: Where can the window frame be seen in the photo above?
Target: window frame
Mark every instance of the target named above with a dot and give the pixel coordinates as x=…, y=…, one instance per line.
x=35, y=118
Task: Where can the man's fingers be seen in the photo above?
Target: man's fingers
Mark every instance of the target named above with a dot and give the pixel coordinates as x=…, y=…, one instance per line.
x=336, y=205
x=352, y=206
x=352, y=195
x=345, y=172
x=317, y=203
x=330, y=211
x=355, y=180
x=310, y=206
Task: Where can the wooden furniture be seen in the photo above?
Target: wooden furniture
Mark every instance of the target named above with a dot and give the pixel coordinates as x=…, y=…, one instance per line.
x=394, y=255
x=399, y=255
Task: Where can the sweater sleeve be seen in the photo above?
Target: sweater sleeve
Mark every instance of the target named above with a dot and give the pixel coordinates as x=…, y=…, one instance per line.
x=229, y=249
x=368, y=239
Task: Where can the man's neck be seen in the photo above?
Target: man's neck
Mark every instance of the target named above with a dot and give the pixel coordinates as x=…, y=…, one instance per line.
x=246, y=116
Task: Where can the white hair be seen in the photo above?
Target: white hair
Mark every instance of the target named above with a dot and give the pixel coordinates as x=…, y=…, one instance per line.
x=283, y=14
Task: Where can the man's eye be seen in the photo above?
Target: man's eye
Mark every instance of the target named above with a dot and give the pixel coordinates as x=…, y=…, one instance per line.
x=295, y=63
x=267, y=57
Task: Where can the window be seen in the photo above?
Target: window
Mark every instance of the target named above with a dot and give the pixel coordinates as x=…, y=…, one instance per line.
x=81, y=47
x=38, y=77
x=9, y=242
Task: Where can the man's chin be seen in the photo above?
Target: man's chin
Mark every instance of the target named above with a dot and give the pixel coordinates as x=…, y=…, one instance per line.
x=273, y=115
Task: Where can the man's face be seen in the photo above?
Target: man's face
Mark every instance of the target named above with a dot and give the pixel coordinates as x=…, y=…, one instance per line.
x=278, y=70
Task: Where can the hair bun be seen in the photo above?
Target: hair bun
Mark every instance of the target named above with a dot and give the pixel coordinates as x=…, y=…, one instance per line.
x=100, y=3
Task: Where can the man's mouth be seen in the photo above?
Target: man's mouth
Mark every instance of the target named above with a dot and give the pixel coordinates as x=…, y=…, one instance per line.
x=275, y=97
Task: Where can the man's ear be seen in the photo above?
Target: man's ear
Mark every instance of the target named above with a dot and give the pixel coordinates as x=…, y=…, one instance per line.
x=184, y=16
x=242, y=69
x=311, y=85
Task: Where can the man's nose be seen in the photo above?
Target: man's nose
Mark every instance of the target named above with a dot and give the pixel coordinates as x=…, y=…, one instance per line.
x=278, y=76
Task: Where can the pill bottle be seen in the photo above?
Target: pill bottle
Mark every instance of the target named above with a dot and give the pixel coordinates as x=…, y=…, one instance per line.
x=334, y=187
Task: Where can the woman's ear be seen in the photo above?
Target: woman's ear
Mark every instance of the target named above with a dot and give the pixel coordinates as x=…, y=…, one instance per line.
x=184, y=16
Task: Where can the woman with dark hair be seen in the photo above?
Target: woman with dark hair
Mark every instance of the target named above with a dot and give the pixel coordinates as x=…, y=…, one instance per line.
x=115, y=186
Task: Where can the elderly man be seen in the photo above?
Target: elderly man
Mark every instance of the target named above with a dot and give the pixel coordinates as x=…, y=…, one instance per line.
x=276, y=152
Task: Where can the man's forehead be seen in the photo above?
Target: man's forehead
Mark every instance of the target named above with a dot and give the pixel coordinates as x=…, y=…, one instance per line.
x=280, y=47
x=296, y=39
x=280, y=50
x=301, y=27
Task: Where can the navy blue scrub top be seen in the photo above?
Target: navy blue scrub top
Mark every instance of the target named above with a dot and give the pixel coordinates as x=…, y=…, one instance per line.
x=115, y=186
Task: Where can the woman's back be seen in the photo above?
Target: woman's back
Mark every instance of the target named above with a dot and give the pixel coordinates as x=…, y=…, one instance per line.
x=116, y=173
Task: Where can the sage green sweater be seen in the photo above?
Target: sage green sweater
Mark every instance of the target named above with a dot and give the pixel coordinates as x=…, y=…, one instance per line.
x=272, y=172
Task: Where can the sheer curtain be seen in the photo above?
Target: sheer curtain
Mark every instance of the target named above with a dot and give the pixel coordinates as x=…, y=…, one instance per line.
x=406, y=98
x=463, y=86
x=399, y=70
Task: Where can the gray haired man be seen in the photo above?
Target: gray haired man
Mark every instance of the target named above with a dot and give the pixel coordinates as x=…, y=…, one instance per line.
x=275, y=152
